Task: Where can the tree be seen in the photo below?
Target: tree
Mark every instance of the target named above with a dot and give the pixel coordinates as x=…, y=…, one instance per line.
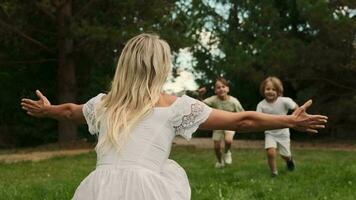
x=308, y=44
x=70, y=47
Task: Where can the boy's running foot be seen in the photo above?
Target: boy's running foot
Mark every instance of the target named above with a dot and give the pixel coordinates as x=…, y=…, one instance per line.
x=227, y=158
x=290, y=165
x=219, y=165
x=274, y=174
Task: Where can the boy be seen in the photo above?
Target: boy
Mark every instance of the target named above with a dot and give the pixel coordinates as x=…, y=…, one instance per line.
x=223, y=101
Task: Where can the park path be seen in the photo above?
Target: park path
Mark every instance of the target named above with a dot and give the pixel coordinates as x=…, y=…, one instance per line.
x=206, y=143
x=199, y=143
x=41, y=155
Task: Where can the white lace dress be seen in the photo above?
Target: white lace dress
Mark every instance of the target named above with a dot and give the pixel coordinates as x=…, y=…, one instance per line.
x=142, y=170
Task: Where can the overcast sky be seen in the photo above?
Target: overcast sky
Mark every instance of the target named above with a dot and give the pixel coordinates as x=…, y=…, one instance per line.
x=186, y=79
x=185, y=60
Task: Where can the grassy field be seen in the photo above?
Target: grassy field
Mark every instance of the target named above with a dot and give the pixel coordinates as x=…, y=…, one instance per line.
x=319, y=175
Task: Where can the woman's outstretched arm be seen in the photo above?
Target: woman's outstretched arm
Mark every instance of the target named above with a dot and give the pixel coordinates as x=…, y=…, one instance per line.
x=43, y=108
x=254, y=121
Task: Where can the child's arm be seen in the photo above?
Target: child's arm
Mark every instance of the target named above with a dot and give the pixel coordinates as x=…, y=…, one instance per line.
x=43, y=108
x=258, y=108
x=209, y=101
x=238, y=106
x=201, y=92
x=254, y=121
x=291, y=104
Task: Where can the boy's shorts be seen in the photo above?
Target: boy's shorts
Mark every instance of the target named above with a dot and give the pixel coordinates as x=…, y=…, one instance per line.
x=283, y=144
x=219, y=135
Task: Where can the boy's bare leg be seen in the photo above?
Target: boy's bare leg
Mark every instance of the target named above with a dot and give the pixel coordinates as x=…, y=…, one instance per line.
x=289, y=162
x=229, y=137
x=271, y=155
x=287, y=158
x=217, y=148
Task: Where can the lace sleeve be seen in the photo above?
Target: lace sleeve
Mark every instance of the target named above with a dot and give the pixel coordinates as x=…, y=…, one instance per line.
x=89, y=113
x=188, y=114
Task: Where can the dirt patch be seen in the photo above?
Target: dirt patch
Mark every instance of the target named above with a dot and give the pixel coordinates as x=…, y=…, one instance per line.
x=256, y=144
x=55, y=150
x=38, y=156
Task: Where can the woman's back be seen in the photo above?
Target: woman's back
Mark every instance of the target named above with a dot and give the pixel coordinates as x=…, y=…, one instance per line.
x=149, y=143
x=142, y=163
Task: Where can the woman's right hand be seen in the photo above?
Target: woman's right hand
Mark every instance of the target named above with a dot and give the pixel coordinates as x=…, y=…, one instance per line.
x=308, y=123
x=36, y=108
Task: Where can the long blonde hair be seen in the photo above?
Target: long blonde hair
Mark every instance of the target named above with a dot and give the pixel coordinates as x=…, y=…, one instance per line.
x=141, y=71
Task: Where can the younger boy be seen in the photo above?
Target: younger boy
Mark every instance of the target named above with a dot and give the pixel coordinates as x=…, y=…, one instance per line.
x=223, y=101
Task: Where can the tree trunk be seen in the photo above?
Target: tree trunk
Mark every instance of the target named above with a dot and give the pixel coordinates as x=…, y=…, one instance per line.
x=66, y=80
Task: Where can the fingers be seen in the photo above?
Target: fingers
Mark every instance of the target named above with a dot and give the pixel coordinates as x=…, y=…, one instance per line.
x=28, y=110
x=296, y=112
x=319, y=119
x=39, y=94
x=307, y=104
x=319, y=122
x=34, y=114
x=299, y=111
x=303, y=108
x=28, y=101
x=29, y=107
x=33, y=108
x=30, y=113
x=43, y=98
x=313, y=131
x=318, y=126
x=313, y=123
x=28, y=104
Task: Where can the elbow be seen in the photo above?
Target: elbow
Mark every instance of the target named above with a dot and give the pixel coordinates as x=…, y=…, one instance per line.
x=244, y=123
x=244, y=126
x=69, y=112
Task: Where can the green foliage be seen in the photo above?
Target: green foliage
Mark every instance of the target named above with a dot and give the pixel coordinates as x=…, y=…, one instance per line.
x=99, y=30
x=319, y=175
x=309, y=44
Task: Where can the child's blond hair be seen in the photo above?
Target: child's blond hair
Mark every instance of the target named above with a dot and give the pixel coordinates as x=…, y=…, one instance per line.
x=222, y=80
x=141, y=71
x=276, y=82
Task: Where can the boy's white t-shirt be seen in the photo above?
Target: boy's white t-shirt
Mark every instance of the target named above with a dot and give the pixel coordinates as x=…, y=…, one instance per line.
x=279, y=107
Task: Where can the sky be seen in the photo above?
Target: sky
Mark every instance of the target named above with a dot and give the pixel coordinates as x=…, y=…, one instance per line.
x=184, y=65
x=186, y=78
x=185, y=61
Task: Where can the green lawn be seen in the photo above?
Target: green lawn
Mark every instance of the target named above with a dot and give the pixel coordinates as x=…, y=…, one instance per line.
x=319, y=175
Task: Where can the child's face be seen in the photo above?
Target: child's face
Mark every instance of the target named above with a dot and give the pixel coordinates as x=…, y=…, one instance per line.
x=270, y=92
x=221, y=90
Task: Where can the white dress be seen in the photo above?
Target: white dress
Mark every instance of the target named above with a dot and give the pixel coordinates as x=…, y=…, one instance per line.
x=142, y=170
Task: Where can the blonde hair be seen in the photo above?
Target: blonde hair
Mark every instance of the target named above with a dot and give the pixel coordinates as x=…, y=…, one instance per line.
x=223, y=81
x=142, y=69
x=276, y=82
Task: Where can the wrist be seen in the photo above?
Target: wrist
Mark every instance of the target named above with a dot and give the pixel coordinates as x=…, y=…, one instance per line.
x=292, y=121
x=46, y=111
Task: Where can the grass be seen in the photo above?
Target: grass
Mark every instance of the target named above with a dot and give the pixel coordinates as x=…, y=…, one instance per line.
x=319, y=175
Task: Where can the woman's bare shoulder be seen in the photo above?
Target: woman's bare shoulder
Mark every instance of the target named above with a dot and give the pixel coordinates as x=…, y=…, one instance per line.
x=166, y=100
